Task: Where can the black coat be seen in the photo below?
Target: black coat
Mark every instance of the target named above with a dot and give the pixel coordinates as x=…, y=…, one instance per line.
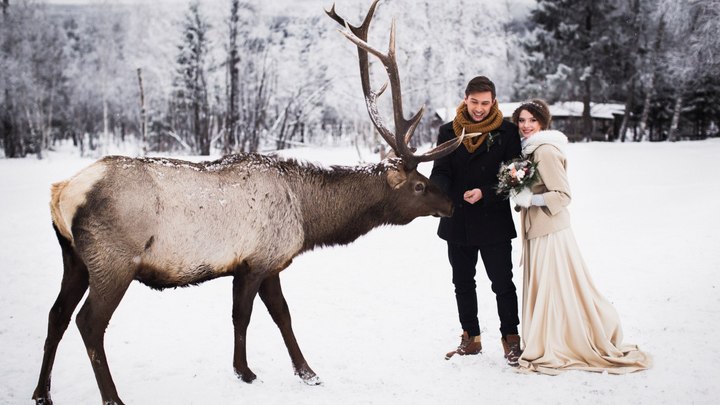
x=490, y=219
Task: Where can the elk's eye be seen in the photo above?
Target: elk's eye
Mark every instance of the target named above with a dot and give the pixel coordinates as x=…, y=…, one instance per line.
x=419, y=187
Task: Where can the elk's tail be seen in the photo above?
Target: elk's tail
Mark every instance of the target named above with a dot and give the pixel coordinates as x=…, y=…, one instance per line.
x=59, y=220
x=68, y=195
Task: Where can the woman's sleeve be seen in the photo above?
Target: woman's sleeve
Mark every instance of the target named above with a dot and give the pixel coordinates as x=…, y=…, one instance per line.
x=551, y=166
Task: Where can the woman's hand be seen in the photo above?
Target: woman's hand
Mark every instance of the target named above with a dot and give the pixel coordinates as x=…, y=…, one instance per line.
x=523, y=198
x=473, y=196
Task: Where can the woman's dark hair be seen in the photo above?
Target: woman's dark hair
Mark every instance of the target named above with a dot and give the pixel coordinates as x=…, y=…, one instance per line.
x=538, y=108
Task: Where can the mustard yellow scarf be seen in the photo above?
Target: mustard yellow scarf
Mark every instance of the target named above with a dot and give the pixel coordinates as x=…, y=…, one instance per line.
x=488, y=124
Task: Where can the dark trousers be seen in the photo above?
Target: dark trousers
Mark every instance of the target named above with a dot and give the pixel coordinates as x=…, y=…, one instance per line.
x=497, y=259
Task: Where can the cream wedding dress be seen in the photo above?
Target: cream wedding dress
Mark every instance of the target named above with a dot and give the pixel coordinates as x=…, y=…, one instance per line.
x=566, y=323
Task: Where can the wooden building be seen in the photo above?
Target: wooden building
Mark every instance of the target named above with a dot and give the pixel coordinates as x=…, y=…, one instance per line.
x=567, y=117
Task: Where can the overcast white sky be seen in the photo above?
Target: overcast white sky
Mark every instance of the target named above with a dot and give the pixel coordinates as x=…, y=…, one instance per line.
x=275, y=4
x=321, y=2
x=326, y=3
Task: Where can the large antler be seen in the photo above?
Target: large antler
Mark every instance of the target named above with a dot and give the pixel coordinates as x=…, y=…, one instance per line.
x=404, y=129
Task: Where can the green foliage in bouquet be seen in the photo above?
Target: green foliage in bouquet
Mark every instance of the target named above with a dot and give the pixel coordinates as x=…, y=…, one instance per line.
x=516, y=175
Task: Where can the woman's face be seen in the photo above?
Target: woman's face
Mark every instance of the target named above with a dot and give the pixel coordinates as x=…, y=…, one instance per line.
x=528, y=124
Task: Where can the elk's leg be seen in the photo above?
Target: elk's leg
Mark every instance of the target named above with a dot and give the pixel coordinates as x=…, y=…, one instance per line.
x=272, y=296
x=92, y=320
x=73, y=287
x=245, y=288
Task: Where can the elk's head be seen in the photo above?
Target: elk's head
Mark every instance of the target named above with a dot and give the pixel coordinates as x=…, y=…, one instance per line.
x=415, y=195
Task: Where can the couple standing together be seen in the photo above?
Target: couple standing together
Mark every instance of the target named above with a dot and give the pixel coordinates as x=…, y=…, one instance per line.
x=566, y=323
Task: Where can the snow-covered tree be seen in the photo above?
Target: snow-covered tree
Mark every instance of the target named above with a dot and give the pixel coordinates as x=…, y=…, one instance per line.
x=693, y=26
x=299, y=91
x=32, y=64
x=190, y=112
x=570, y=49
x=101, y=106
x=232, y=77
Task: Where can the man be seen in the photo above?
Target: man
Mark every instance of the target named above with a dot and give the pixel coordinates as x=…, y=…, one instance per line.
x=482, y=221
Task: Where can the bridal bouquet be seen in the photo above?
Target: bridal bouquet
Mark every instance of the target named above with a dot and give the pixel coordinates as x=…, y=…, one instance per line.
x=516, y=175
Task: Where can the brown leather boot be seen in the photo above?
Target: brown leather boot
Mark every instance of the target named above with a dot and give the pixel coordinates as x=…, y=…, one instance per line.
x=468, y=345
x=511, y=345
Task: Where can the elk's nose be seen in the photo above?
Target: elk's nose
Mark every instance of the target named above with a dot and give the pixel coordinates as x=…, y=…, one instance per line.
x=448, y=212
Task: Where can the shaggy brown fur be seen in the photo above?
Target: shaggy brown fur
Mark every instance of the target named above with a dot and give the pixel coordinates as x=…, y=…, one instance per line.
x=170, y=223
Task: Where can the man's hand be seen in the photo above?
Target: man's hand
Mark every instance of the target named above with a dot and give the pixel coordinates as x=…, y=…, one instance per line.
x=473, y=196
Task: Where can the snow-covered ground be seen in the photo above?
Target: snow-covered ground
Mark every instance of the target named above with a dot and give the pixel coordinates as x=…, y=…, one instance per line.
x=375, y=318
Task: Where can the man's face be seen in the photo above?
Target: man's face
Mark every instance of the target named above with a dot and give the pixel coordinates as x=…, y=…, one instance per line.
x=479, y=104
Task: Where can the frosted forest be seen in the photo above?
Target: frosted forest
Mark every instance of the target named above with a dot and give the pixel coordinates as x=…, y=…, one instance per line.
x=195, y=77
x=633, y=83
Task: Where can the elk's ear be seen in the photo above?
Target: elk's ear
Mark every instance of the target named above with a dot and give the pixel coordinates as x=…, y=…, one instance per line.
x=396, y=178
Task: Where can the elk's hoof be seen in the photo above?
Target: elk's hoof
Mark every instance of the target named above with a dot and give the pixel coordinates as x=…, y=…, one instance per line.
x=43, y=401
x=309, y=377
x=314, y=380
x=246, y=375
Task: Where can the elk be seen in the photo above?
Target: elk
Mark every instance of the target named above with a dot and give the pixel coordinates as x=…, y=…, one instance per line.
x=170, y=223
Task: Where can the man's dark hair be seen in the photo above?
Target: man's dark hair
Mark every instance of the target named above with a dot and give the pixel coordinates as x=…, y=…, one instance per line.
x=480, y=84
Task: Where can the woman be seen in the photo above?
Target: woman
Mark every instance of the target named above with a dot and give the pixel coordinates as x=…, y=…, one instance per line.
x=566, y=323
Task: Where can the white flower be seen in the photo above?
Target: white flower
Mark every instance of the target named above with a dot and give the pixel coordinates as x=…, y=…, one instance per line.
x=520, y=174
